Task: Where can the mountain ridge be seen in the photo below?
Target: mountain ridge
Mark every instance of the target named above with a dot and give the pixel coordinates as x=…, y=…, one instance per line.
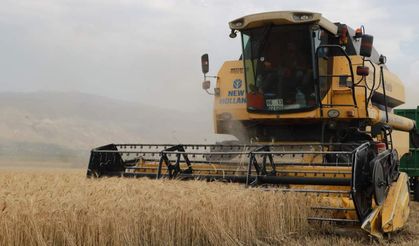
x=59, y=125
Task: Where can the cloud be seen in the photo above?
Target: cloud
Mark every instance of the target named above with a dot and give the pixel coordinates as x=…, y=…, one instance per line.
x=148, y=51
x=412, y=85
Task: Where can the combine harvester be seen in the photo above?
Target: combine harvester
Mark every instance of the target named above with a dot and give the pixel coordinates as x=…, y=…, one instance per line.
x=310, y=102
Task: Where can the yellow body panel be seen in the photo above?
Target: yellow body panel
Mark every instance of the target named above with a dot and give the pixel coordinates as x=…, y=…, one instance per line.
x=393, y=214
x=394, y=86
x=395, y=209
x=401, y=140
x=372, y=223
x=231, y=102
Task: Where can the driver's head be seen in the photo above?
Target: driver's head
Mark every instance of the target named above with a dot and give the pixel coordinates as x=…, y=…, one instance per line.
x=267, y=64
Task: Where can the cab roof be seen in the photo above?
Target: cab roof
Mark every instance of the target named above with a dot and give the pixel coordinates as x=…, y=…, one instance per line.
x=282, y=18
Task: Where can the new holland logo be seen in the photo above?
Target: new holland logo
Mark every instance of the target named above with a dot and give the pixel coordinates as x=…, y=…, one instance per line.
x=237, y=83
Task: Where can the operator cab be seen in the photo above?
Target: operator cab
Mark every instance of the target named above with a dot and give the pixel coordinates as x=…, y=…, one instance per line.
x=280, y=60
x=279, y=68
x=290, y=61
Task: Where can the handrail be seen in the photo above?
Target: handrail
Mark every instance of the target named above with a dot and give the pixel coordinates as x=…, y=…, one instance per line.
x=318, y=76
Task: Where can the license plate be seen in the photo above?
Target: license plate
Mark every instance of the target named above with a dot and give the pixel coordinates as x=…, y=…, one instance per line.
x=274, y=104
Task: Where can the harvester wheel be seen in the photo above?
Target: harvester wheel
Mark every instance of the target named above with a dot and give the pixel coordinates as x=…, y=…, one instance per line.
x=380, y=183
x=364, y=188
x=416, y=189
x=364, y=202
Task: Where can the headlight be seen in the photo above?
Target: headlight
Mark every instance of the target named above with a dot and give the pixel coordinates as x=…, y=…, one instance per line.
x=238, y=24
x=302, y=17
x=333, y=113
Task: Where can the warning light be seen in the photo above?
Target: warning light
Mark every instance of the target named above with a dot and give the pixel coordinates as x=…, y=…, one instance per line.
x=358, y=33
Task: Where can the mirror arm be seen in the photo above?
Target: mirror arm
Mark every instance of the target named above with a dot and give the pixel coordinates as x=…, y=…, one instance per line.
x=210, y=76
x=205, y=79
x=209, y=93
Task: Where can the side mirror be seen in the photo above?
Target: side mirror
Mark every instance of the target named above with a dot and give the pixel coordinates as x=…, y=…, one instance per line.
x=366, y=45
x=205, y=63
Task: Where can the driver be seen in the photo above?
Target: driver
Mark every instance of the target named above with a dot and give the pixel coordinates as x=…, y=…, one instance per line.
x=268, y=79
x=294, y=72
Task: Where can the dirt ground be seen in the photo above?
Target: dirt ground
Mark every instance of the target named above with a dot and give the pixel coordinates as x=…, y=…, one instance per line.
x=408, y=236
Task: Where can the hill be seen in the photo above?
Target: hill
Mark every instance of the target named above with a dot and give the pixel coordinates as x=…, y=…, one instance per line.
x=64, y=126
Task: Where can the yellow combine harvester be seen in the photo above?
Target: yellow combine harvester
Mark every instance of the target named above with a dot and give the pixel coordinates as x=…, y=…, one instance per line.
x=310, y=102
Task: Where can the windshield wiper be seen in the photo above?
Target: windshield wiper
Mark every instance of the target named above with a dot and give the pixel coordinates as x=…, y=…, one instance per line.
x=264, y=40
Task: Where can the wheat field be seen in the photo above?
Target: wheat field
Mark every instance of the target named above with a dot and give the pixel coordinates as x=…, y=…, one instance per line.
x=62, y=207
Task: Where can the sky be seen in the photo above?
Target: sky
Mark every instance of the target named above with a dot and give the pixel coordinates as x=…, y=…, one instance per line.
x=148, y=51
